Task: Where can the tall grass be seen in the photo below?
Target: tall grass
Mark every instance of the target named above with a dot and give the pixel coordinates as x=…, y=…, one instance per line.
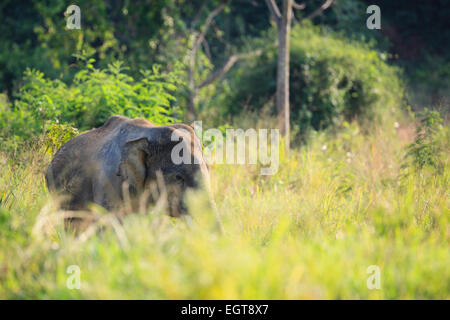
x=335, y=207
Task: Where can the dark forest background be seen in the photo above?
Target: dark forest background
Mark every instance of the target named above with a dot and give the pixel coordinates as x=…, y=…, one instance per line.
x=409, y=57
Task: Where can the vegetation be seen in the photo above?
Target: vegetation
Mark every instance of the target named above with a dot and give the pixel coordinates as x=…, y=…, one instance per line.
x=332, y=80
x=366, y=182
x=310, y=231
x=94, y=96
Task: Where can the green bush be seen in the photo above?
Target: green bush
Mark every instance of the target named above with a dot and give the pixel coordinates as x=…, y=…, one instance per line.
x=331, y=79
x=57, y=135
x=93, y=97
x=431, y=139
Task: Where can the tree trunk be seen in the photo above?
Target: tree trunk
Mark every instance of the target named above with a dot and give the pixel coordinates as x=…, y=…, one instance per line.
x=191, y=114
x=282, y=95
x=192, y=90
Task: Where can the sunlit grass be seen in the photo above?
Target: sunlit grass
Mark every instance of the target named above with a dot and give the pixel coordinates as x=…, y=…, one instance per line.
x=333, y=209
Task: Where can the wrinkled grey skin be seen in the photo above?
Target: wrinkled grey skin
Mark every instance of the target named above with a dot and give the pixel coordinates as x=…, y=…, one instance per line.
x=123, y=157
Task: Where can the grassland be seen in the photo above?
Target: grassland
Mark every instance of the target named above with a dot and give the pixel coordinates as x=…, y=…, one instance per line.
x=335, y=207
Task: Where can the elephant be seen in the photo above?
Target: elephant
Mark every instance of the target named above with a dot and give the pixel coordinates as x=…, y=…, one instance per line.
x=124, y=159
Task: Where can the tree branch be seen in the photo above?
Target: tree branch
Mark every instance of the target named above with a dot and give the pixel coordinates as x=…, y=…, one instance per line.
x=207, y=50
x=220, y=72
x=227, y=66
x=207, y=24
x=298, y=6
x=321, y=9
x=275, y=12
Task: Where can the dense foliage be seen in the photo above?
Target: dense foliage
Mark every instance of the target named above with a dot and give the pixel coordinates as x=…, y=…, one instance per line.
x=331, y=79
x=94, y=96
x=366, y=185
x=145, y=32
x=427, y=150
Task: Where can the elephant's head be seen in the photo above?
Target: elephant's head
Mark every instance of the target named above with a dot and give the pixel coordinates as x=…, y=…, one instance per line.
x=168, y=159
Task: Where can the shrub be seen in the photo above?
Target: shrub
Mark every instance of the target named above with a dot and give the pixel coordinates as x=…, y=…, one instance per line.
x=431, y=139
x=58, y=135
x=331, y=79
x=92, y=98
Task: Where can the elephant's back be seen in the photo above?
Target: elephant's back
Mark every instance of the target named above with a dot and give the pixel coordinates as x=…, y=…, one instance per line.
x=66, y=165
x=81, y=153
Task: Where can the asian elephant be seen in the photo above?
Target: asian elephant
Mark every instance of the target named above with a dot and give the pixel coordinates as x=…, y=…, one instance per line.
x=124, y=158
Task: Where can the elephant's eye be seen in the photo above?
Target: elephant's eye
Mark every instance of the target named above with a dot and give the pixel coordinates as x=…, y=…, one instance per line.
x=179, y=178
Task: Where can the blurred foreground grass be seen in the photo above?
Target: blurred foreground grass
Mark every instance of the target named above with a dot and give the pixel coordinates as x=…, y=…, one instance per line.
x=334, y=208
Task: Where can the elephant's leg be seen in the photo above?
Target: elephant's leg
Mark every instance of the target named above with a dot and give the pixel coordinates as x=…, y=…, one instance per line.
x=105, y=193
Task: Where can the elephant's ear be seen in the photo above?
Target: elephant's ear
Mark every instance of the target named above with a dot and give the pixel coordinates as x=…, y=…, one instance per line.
x=132, y=163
